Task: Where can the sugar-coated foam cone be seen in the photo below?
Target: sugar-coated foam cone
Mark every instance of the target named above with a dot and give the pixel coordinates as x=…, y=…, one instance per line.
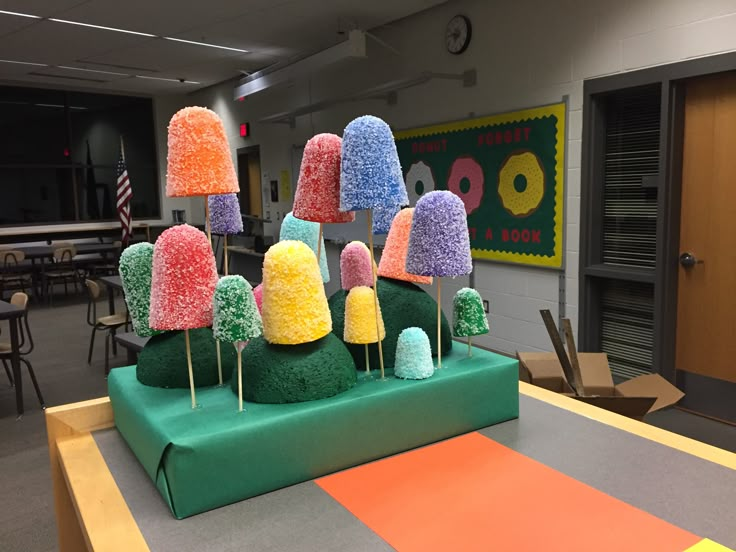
x=183, y=280
x=294, y=307
x=200, y=161
x=308, y=232
x=370, y=172
x=439, y=244
x=393, y=258
x=317, y=197
x=355, y=266
x=360, y=317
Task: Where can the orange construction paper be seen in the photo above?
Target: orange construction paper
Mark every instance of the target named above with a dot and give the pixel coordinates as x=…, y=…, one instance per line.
x=471, y=493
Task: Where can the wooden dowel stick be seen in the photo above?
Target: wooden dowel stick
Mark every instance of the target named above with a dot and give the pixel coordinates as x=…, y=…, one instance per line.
x=240, y=379
x=367, y=361
x=470, y=346
x=207, y=219
x=189, y=365
x=375, y=290
x=219, y=362
x=319, y=243
x=439, y=320
x=227, y=264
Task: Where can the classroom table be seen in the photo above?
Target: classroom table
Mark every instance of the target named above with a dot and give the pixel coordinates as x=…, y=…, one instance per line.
x=113, y=283
x=558, y=474
x=13, y=314
x=44, y=252
x=132, y=343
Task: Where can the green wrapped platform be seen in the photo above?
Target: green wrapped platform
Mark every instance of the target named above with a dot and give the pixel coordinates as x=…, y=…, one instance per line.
x=212, y=456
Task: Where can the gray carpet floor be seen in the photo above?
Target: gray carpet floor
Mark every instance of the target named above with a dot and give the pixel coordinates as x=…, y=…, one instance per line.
x=60, y=363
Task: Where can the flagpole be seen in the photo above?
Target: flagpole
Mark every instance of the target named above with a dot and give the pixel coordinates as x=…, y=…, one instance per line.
x=129, y=233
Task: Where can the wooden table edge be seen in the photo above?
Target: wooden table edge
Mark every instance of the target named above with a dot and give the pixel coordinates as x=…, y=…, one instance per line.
x=641, y=429
x=86, y=493
x=91, y=513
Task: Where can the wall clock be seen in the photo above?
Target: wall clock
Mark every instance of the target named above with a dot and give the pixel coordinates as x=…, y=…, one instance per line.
x=457, y=34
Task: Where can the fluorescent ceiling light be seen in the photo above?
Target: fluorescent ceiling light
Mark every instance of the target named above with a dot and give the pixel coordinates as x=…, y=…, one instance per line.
x=167, y=80
x=101, y=27
x=23, y=62
x=92, y=70
x=20, y=14
x=205, y=44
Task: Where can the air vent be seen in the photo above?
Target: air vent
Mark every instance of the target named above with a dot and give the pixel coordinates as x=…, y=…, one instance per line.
x=630, y=177
x=627, y=327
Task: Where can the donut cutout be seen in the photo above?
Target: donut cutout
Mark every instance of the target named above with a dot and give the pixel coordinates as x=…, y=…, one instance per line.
x=521, y=183
x=467, y=167
x=419, y=181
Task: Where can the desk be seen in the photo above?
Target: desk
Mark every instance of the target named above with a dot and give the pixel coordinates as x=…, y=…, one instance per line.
x=132, y=343
x=660, y=477
x=13, y=314
x=112, y=283
x=43, y=252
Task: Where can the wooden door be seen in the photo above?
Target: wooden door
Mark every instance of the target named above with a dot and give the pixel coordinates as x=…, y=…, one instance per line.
x=706, y=307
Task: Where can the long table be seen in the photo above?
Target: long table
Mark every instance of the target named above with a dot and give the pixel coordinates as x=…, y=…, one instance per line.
x=42, y=253
x=13, y=314
x=555, y=476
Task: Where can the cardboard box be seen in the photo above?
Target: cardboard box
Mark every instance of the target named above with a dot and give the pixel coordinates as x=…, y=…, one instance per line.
x=633, y=398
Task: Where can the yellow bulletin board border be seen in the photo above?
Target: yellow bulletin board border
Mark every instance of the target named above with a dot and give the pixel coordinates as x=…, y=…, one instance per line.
x=558, y=110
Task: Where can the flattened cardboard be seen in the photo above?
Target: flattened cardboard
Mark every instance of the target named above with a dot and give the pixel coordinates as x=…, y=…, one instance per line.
x=651, y=384
x=634, y=398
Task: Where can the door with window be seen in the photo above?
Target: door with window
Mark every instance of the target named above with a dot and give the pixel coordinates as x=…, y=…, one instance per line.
x=706, y=302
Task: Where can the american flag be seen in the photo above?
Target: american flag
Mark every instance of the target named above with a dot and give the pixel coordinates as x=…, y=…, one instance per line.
x=125, y=194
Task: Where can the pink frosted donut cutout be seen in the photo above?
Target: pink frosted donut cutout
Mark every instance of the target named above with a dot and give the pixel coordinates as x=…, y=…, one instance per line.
x=467, y=167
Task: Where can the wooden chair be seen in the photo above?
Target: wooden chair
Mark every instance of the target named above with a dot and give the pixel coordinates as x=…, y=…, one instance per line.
x=107, y=265
x=25, y=343
x=109, y=324
x=12, y=273
x=63, y=269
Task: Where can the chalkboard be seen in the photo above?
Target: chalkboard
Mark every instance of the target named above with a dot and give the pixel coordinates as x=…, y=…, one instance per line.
x=509, y=171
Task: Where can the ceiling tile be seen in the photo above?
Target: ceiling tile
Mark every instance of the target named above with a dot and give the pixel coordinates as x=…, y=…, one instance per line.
x=162, y=17
x=160, y=55
x=42, y=8
x=273, y=30
x=12, y=23
x=60, y=44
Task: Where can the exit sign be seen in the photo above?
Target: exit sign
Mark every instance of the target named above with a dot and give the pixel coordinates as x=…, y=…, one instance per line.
x=244, y=130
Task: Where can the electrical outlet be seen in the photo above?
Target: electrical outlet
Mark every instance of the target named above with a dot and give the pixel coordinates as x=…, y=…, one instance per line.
x=485, y=305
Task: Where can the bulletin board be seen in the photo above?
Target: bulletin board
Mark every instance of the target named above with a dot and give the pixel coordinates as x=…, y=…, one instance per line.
x=509, y=171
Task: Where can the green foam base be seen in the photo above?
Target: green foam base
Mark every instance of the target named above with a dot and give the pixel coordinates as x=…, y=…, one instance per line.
x=213, y=456
x=163, y=361
x=295, y=373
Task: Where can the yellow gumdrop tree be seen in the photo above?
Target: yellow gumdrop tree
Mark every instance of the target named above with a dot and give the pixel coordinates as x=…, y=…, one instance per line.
x=360, y=317
x=295, y=307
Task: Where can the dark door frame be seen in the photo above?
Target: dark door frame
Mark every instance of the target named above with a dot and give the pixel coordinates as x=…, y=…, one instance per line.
x=245, y=150
x=671, y=79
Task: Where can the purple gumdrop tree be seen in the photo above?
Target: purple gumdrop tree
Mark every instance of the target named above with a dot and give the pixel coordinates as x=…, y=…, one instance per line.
x=225, y=218
x=439, y=244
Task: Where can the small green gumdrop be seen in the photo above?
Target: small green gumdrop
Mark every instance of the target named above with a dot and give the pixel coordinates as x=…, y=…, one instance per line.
x=468, y=314
x=235, y=313
x=136, y=266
